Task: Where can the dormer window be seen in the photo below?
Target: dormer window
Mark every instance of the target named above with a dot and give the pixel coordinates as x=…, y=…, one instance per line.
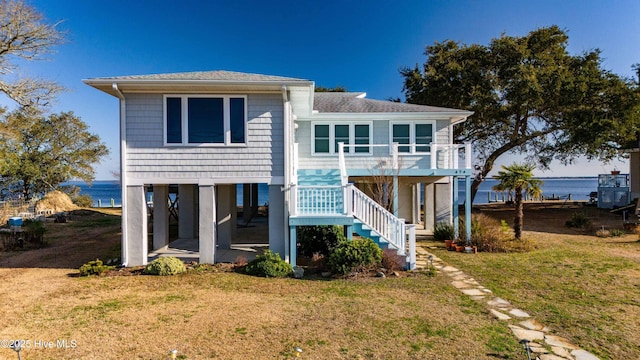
x=205, y=119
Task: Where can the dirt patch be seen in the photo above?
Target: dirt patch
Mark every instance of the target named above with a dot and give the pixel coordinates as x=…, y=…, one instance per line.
x=552, y=217
x=89, y=234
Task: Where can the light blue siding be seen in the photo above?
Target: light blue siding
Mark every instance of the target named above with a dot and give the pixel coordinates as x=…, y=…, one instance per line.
x=148, y=158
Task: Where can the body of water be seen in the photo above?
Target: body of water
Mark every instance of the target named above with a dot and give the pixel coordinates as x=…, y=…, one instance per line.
x=578, y=187
x=104, y=192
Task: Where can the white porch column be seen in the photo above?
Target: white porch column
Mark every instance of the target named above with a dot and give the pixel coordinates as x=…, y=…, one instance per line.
x=443, y=202
x=224, y=215
x=416, y=203
x=136, y=231
x=277, y=229
x=186, y=213
x=207, y=224
x=429, y=206
x=160, y=216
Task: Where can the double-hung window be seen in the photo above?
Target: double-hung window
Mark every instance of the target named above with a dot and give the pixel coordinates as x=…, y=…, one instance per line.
x=356, y=137
x=205, y=119
x=406, y=134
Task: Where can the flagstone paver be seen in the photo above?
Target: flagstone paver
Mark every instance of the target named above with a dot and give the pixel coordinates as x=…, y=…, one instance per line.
x=529, y=329
x=519, y=313
x=499, y=315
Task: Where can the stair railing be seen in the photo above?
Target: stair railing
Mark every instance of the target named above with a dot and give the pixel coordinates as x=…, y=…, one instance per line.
x=379, y=219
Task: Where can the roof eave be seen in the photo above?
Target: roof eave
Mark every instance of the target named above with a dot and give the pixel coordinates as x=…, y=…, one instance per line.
x=106, y=84
x=454, y=116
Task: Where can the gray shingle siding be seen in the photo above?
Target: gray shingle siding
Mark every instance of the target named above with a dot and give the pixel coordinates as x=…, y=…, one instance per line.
x=147, y=157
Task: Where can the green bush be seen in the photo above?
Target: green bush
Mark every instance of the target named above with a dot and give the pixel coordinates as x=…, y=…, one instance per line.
x=578, y=220
x=356, y=254
x=616, y=232
x=164, y=266
x=318, y=239
x=443, y=231
x=94, y=268
x=269, y=264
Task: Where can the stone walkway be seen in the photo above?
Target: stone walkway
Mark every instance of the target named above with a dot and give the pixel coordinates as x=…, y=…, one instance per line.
x=544, y=345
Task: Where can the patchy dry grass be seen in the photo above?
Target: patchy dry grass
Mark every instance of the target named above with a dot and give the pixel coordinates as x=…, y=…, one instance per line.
x=584, y=288
x=208, y=315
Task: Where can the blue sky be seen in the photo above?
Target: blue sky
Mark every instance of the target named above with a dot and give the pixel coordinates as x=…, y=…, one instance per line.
x=360, y=45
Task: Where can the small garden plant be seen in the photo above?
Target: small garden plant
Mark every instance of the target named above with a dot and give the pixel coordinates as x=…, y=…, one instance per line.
x=269, y=264
x=95, y=267
x=443, y=231
x=165, y=266
x=578, y=220
x=353, y=255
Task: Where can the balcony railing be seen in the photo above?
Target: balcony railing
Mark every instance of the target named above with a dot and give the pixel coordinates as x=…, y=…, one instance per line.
x=439, y=156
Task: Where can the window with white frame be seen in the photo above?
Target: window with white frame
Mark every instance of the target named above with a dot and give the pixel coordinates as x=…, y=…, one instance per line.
x=356, y=137
x=418, y=133
x=205, y=119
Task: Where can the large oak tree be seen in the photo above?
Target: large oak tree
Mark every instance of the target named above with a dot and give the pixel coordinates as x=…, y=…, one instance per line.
x=42, y=152
x=529, y=96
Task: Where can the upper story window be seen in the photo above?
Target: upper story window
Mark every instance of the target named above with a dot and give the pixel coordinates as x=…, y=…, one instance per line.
x=355, y=136
x=409, y=133
x=205, y=119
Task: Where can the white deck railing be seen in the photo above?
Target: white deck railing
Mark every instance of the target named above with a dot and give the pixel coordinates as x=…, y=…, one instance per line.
x=318, y=200
x=439, y=156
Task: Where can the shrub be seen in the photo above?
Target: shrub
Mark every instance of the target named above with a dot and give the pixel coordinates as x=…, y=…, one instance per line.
x=616, y=232
x=443, y=231
x=361, y=253
x=165, y=266
x=94, y=268
x=33, y=231
x=492, y=236
x=269, y=264
x=319, y=239
x=578, y=220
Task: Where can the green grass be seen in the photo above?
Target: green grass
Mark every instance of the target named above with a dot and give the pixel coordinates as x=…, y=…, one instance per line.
x=585, y=290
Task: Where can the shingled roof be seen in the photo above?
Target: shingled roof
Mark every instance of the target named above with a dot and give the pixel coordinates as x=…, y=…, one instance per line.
x=354, y=102
x=218, y=75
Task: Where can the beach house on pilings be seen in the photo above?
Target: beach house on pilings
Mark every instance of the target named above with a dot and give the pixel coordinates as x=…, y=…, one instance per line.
x=206, y=132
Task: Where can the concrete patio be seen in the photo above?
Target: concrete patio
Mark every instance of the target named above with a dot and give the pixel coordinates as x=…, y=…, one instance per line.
x=249, y=241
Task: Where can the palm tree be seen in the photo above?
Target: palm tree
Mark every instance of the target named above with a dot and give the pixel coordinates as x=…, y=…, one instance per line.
x=518, y=178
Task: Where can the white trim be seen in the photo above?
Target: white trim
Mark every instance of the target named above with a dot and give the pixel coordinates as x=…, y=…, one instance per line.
x=412, y=136
x=332, y=138
x=271, y=180
x=226, y=122
x=452, y=116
